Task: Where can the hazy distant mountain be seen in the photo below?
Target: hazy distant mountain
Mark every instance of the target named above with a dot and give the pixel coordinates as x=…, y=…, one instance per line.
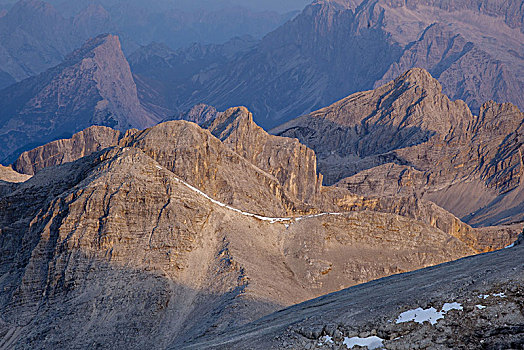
x=335, y=48
x=93, y=86
x=162, y=74
x=35, y=35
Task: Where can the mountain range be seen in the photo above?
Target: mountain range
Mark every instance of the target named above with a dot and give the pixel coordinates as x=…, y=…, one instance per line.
x=161, y=236
x=366, y=190
x=35, y=35
x=335, y=48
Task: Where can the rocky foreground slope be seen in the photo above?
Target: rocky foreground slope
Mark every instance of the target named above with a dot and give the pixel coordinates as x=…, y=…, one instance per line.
x=173, y=233
x=472, y=303
x=408, y=138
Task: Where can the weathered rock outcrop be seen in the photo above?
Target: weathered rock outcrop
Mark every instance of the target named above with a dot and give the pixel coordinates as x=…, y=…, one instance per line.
x=83, y=143
x=7, y=174
x=408, y=138
x=93, y=86
x=292, y=163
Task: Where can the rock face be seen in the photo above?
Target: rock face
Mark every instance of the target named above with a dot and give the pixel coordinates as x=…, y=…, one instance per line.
x=292, y=163
x=83, y=143
x=120, y=240
x=485, y=290
x=408, y=138
x=93, y=86
x=335, y=48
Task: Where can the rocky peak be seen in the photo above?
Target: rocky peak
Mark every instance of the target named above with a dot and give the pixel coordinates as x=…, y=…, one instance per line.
x=81, y=144
x=200, y=114
x=93, y=86
x=293, y=164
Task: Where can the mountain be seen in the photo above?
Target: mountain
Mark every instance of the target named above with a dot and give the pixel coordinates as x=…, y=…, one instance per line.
x=93, y=86
x=408, y=138
x=161, y=72
x=173, y=234
x=37, y=35
x=284, y=165
x=33, y=37
x=335, y=48
x=471, y=303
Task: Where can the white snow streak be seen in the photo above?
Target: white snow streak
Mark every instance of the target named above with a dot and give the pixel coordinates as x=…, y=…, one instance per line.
x=256, y=216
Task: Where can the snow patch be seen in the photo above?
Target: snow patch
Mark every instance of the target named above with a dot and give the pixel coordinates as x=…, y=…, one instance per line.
x=480, y=307
x=371, y=342
x=420, y=315
x=510, y=246
x=451, y=306
x=430, y=315
x=326, y=340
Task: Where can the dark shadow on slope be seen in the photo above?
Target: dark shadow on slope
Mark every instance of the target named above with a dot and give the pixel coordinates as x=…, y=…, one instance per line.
x=346, y=151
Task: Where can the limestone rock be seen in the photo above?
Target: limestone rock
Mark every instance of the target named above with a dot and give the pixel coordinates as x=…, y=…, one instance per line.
x=83, y=143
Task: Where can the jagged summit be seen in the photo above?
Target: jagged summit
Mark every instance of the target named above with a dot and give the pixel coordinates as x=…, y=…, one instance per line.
x=93, y=86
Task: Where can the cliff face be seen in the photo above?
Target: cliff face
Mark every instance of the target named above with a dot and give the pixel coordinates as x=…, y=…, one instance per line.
x=292, y=163
x=93, y=86
x=407, y=138
x=83, y=143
